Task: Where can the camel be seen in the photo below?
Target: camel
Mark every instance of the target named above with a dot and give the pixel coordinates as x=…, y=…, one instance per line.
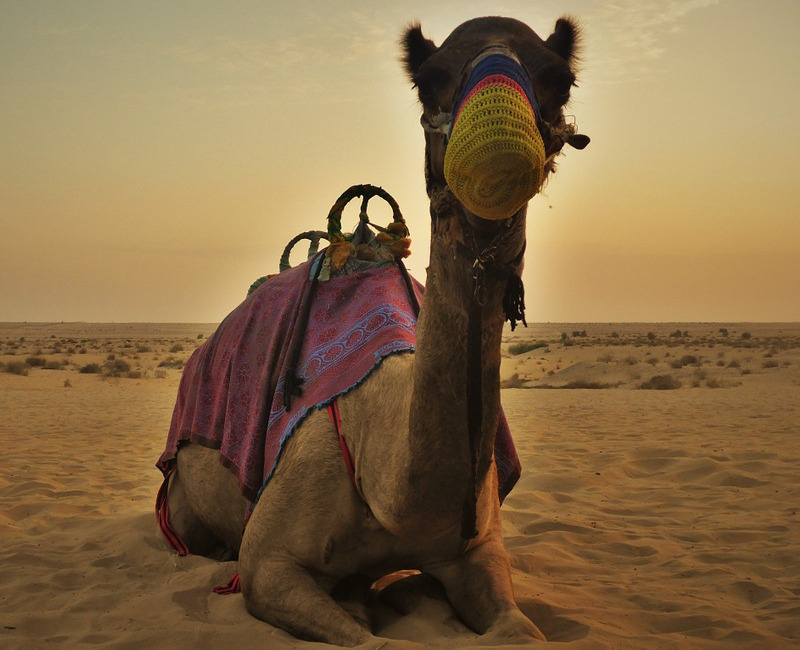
x=421, y=427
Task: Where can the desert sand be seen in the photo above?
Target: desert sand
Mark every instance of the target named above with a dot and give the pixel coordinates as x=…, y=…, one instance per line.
x=661, y=518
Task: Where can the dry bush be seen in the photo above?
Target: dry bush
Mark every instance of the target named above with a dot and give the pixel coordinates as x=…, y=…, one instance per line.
x=514, y=381
x=686, y=360
x=16, y=368
x=718, y=382
x=172, y=362
x=116, y=368
x=525, y=346
x=661, y=382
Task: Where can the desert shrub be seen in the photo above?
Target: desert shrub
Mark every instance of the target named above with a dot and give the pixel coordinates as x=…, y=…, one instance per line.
x=746, y=336
x=578, y=384
x=630, y=361
x=178, y=347
x=594, y=385
x=685, y=360
x=717, y=382
x=605, y=358
x=55, y=365
x=661, y=382
x=200, y=336
x=525, y=346
x=652, y=361
x=143, y=348
x=514, y=381
x=171, y=362
x=579, y=333
x=770, y=363
x=134, y=374
x=17, y=368
x=161, y=374
x=116, y=368
x=36, y=362
x=90, y=369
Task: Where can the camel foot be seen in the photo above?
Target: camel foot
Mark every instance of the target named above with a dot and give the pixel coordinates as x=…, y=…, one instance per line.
x=353, y=596
x=510, y=629
x=287, y=596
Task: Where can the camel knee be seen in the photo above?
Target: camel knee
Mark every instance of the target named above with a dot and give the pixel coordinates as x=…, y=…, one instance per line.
x=197, y=537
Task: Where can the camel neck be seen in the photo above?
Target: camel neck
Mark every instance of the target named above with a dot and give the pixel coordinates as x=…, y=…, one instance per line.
x=439, y=421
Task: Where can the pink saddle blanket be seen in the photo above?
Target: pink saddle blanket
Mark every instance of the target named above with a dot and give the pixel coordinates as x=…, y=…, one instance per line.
x=231, y=393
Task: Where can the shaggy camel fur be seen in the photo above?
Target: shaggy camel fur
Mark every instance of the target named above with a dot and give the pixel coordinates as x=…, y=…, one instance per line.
x=407, y=423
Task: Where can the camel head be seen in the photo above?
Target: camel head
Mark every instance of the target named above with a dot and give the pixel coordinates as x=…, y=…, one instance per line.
x=493, y=97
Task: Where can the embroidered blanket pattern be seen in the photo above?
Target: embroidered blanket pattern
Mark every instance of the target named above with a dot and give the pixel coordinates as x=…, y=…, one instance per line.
x=231, y=393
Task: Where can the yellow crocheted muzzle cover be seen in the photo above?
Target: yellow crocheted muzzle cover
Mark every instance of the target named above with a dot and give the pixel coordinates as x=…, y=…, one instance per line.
x=494, y=161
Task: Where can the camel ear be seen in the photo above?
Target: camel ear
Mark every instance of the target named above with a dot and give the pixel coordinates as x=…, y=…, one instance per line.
x=578, y=140
x=565, y=40
x=416, y=49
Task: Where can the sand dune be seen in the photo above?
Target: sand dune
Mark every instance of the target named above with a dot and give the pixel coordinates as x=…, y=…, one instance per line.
x=643, y=519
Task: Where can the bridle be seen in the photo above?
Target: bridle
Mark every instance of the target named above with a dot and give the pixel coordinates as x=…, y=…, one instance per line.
x=442, y=122
x=481, y=252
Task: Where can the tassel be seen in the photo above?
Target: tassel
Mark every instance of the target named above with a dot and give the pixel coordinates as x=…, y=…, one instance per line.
x=514, y=301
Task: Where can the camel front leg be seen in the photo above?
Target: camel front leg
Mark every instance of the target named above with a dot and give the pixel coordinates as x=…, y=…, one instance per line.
x=287, y=596
x=479, y=587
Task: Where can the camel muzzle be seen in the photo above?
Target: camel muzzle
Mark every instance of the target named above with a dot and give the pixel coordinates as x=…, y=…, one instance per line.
x=494, y=160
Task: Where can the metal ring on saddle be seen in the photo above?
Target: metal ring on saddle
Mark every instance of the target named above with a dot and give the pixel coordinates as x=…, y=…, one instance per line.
x=367, y=192
x=313, y=236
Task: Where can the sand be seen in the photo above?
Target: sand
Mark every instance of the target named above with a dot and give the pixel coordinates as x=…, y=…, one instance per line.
x=643, y=519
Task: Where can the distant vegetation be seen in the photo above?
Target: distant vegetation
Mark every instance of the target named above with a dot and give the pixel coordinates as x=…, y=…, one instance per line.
x=661, y=382
x=525, y=346
x=15, y=368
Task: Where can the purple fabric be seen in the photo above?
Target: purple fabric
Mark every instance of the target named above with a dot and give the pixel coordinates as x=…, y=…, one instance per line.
x=231, y=394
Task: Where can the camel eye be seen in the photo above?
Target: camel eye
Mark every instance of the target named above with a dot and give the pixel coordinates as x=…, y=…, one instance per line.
x=556, y=82
x=430, y=81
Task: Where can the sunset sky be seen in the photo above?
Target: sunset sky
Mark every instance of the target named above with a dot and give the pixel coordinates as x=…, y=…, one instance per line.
x=157, y=155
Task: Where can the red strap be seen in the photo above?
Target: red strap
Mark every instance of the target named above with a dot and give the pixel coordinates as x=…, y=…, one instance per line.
x=233, y=586
x=162, y=515
x=333, y=412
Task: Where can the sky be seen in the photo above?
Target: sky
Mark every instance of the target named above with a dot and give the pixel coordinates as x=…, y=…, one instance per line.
x=155, y=157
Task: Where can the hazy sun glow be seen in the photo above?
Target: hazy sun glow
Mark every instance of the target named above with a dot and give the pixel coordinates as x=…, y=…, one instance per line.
x=156, y=157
